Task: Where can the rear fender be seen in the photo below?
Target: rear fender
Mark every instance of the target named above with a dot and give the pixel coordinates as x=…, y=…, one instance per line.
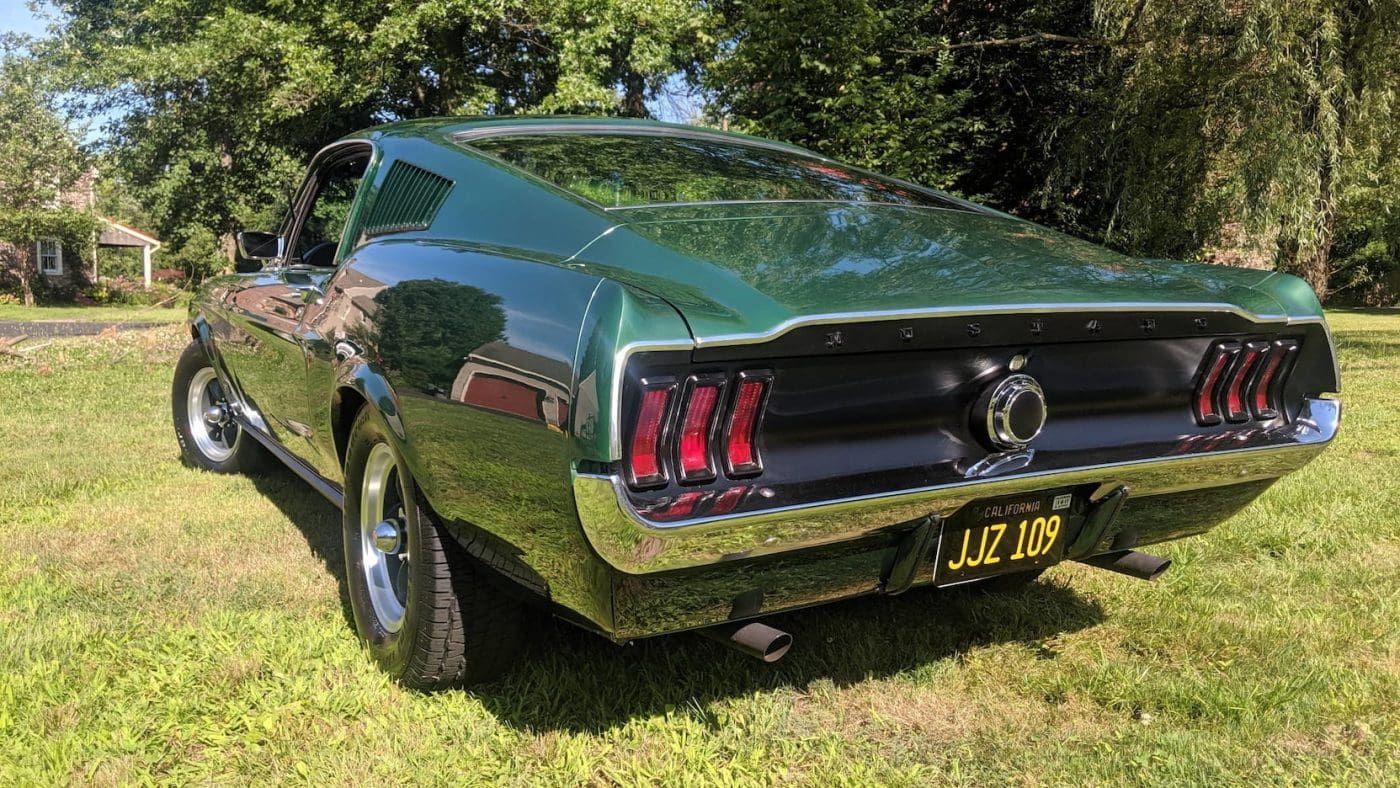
x=621, y=320
x=377, y=393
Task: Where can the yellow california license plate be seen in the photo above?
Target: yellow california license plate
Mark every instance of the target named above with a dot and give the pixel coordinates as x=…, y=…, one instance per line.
x=998, y=536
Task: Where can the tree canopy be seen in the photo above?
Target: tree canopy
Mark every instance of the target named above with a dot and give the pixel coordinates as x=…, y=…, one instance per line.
x=1243, y=130
x=216, y=106
x=39, y=160
x=1262, y=129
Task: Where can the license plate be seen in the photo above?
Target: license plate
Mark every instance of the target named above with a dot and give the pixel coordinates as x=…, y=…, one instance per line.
x=1001, y=535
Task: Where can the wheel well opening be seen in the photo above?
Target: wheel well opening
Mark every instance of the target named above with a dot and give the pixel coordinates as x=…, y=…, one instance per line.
x=347, y=407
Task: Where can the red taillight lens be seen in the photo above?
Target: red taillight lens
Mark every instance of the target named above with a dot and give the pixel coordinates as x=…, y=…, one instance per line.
x=1244, y=382
x=1266, y=399
x=741, y=449
x=1236, y=409
x=1206, y=411
x=644, y=459
x=696, y=429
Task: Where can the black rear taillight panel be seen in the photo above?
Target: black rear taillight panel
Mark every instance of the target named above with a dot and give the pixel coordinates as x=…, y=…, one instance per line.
x=704, y=430
x=1244, y=381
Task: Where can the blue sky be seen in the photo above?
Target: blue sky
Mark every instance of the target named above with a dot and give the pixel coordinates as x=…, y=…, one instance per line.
x=15, y=17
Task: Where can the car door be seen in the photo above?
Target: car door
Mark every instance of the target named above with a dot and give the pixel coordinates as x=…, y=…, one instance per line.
x=269, y=308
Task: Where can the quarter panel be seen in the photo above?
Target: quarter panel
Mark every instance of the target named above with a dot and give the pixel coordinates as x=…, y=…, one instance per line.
x=476, y=352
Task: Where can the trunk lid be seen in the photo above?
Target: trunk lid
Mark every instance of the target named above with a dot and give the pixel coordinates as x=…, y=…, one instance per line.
x=755, y=269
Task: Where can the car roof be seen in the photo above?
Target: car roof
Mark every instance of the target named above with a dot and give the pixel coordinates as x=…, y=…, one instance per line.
x=468, y=127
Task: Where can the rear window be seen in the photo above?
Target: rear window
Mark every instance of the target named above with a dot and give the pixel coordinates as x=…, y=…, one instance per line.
x=626, y=170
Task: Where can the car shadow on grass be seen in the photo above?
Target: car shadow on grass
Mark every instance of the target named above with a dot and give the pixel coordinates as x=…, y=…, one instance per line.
x=575, y=681
x=316, y=518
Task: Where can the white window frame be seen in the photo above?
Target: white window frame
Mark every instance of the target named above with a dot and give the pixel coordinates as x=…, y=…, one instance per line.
x=57, y=269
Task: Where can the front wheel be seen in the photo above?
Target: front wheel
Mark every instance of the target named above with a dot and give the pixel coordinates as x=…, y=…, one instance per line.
x=429, y=617
x=204, y=424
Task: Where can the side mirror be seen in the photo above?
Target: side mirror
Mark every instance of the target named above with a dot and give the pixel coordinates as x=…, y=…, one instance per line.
x=259, y=246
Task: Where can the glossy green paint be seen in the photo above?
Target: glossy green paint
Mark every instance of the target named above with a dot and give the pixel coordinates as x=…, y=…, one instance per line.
x=743, y=270
x=751, y=268
x=578, y=288
x=620, y=320
x=740, y=271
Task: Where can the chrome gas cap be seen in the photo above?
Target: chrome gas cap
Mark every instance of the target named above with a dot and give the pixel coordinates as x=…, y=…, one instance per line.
x=1011, y=413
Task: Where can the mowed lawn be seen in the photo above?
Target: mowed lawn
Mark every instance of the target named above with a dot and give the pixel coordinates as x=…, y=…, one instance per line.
x=162, y=624
x=92, y=314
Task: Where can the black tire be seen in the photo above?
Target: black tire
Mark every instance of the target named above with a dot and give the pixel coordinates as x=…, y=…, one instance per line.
x=232, y=451
x=456, y=628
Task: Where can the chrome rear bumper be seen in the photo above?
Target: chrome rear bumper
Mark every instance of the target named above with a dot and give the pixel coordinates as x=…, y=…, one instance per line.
x=634, y=545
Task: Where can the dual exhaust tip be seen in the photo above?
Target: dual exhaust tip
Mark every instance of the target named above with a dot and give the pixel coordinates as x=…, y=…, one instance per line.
x=1131, y=563
x=754, y=639
x=769, y=644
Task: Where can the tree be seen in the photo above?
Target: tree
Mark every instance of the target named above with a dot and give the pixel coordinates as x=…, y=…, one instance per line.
x=1293, y=105
x=1154, y=127
x=863, y=80
x=217, y=106
x=39, y=160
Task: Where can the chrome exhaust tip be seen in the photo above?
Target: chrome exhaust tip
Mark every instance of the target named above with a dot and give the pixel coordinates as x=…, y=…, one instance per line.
x=1132, y=563
x=753, y=639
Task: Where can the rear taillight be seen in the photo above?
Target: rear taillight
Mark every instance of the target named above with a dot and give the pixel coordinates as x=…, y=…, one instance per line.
x=1243, y=382
x=648, y=435
x=1207, y=412
x=1236, y=409
x=741, y=438
x=697, y=429
x=1266, y=397
x=686, y=433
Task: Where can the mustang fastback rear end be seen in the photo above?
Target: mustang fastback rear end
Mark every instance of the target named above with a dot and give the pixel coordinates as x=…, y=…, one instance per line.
x=659, y=378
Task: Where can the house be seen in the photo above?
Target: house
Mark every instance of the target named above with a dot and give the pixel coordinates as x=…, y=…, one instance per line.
x=66, y=267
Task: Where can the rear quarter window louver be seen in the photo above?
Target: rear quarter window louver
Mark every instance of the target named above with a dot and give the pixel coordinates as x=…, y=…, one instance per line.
x=408, y=200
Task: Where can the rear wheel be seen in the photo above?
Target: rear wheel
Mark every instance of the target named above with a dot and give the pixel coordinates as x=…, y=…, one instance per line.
x=204, y=425
x=429, y=617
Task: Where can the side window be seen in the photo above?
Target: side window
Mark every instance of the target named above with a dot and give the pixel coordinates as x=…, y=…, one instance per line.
x=329, y=211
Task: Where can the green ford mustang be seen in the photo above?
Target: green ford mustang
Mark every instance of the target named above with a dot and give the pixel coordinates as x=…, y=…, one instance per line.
x=654, y=378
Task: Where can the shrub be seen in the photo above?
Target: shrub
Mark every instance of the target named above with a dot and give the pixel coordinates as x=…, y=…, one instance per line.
x=132, y=292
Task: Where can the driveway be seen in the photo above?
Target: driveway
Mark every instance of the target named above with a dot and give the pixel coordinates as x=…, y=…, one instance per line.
x=63, y=328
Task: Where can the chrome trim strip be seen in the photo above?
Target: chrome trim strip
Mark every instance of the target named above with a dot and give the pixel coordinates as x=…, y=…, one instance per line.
x=628, y=130
x=622, y=209
x=631, y=544
x=993, y=309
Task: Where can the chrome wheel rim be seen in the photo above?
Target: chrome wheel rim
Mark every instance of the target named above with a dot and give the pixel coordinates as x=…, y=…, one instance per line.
x=211, y=423
x=384, y=537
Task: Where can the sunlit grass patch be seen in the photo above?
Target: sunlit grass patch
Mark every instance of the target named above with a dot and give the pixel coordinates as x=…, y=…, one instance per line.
x=159, y=623
x=92, y=314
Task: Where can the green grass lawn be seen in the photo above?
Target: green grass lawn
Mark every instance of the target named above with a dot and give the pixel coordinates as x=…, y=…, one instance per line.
x=163, y=624
x=93, y=314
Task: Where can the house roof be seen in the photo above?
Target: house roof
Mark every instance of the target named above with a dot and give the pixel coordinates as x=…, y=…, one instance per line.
x=117, y=234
